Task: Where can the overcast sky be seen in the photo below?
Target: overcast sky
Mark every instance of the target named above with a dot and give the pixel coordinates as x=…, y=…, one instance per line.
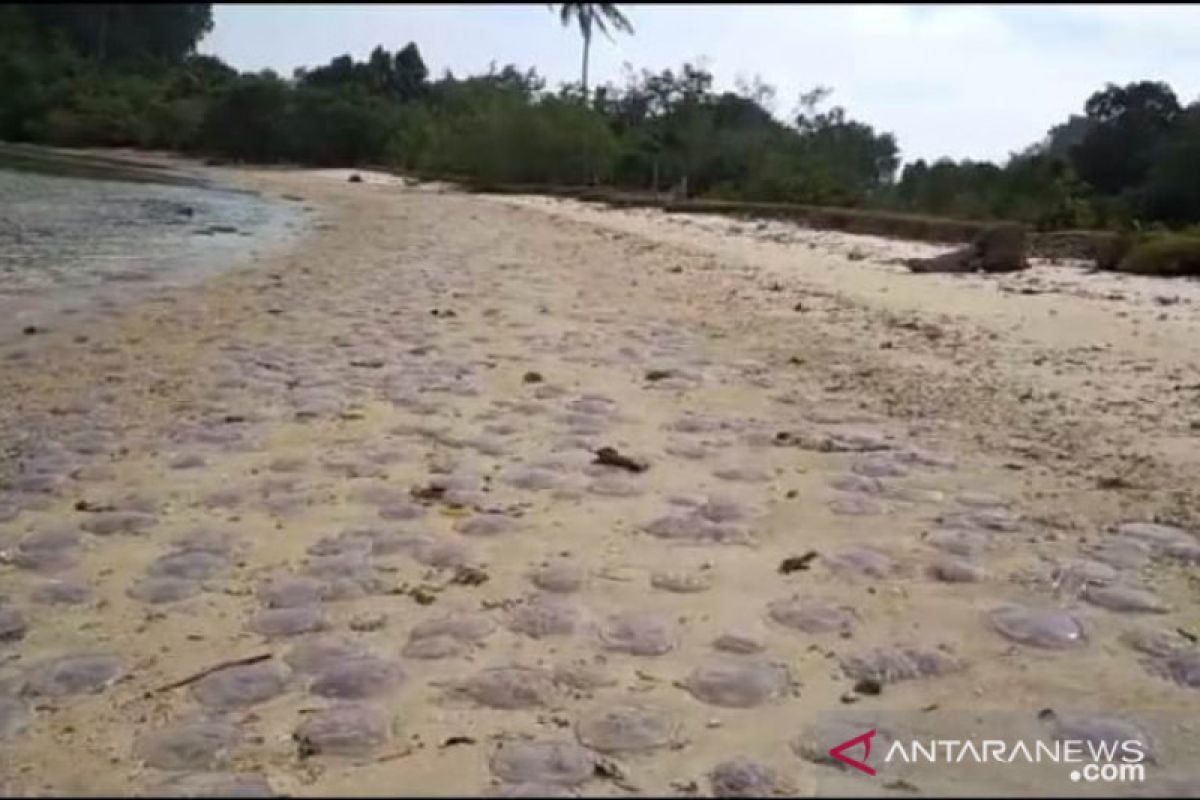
x=963, y=81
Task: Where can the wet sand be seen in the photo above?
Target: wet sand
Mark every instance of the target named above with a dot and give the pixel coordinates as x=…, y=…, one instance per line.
x=372, y=459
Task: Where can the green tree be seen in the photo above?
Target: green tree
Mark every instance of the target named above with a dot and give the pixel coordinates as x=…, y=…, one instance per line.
x=1172, y=191
x=1129, y=123
x=125, y=33
x=249, y=120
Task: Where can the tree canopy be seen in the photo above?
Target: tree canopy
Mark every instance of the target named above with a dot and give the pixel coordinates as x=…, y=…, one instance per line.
x=129, y=75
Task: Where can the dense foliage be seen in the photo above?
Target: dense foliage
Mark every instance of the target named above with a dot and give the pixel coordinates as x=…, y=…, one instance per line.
x=129, y=75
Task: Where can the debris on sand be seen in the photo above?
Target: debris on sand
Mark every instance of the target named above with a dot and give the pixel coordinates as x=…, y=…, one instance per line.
x=609, y=456
x=796, y=563
x=1000, y=248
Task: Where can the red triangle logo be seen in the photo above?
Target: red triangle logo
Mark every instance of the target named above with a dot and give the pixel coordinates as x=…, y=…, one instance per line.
x=865, y=741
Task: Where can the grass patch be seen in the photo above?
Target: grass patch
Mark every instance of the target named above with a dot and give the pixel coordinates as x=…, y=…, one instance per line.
x=45, y=161
x=1084, y=245
x=1169, y=254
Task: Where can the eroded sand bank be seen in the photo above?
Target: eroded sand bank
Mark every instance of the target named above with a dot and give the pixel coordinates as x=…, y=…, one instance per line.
x=372, y=459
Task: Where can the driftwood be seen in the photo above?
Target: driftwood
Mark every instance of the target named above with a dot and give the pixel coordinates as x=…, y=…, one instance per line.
x=1000, y=248
x=237, y=662
x=609, y=456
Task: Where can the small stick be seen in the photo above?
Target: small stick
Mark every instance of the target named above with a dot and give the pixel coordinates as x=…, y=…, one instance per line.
x=237, y=662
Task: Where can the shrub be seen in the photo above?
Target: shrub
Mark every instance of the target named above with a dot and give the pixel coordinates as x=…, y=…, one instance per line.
x=1164, y=254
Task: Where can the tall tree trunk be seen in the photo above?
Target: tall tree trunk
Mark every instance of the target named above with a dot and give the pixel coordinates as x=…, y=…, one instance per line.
x=587, y=46
x=587, y=156
x=102, y=34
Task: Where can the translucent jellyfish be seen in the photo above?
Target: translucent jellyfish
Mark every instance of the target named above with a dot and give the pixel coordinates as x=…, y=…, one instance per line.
x=442, y=554
x=340, y=545
x=694, y=529
x=430, y=648
x=879, y=467
x=343, y=730
x=742, y=777
x=1153, y=641
x=1122, y=552
x=624, y=729
x=13, y=624
x=810, y=615
x=862, y=561
x=464, y=627
x=1183, y=667
x=692, y=451
x=190, y=564
x=737, y=683
x=200, y=745
x=1187, y=552
x=1155, y=534
x=157, y=591
x=1126, y=599
x=214, y=784
x=357, y=679
x=292, y=592
x=107, y=523
x=856, y=484
x=980, y=500
x=204, y=540
x=949, y=569
x=510, y=688
x=639, y=633
x=316, y=655
x=719, y=508
x=529, y=790
x=560, y=577
x=543, y=617
x=401, y=512
x=899, y=663
x=822, y=736
x=681, y=582
x=958, y=542
x=533, y=478
x=737, y=644
x=855, y=505
x=1038, y=627
x=14, y=717
x=485, y=525
x=84, y=673
x=614, y=486
x=279, y=622
x=241, y=686
x=1102, y=731
x=1074, y=575
x=61, y=592
x=557, y=763
x=582, y=677
x=742, y=474
x=48, y=550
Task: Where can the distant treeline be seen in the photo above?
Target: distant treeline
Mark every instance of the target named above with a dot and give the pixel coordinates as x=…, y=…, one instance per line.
x=128, y=75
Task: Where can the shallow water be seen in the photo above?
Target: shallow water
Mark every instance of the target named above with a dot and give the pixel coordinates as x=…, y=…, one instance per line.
x=68, y=243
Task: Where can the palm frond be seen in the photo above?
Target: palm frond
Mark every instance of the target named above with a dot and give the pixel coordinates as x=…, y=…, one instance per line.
x=612, y=14
x=587, y=16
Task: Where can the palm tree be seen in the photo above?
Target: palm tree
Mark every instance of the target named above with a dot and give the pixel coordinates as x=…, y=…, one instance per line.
x=589, y=16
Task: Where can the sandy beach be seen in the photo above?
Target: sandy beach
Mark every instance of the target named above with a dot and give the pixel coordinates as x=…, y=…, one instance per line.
x=368, y=461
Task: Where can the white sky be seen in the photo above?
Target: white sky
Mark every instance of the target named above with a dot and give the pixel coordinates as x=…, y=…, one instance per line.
x=977, y=81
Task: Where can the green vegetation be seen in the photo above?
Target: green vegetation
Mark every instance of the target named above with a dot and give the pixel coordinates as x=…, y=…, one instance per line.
x=1170, y=254
x=128, y=75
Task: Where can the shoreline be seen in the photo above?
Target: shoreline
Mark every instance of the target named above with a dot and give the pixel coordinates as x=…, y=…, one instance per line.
x=264, y=413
